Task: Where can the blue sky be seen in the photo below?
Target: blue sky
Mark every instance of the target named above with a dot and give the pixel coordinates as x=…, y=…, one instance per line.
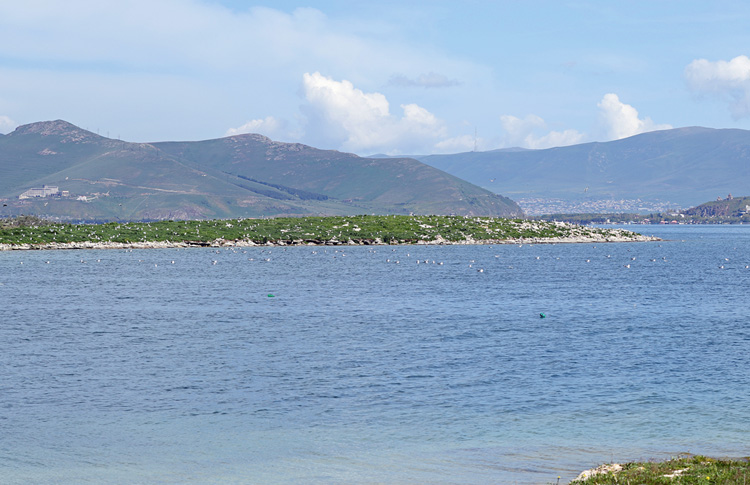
x=394, y=77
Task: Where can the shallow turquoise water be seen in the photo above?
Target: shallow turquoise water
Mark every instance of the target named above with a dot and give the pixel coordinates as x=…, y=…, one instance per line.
x=123, y=367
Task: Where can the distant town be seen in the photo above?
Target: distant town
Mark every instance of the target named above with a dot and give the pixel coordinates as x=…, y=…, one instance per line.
x=539, y=206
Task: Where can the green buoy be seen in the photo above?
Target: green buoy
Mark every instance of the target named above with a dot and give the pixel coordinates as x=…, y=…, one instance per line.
x=542, y=315
x=271, y=296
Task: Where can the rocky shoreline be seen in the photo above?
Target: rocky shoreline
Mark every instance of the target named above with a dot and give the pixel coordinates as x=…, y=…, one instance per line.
x=615, y=236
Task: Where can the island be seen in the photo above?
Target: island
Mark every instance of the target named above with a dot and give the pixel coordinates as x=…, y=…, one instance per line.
x=338, y=230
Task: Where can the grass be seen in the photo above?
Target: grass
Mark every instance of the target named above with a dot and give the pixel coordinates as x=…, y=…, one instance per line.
x=343, y=229
x=682, y=470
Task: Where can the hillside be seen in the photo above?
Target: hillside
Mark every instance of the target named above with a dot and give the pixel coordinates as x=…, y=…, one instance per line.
x=729, y=208
x=683, y=166
x=241, y=176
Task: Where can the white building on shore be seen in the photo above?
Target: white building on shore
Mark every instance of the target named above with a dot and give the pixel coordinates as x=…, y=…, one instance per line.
x=44, y=191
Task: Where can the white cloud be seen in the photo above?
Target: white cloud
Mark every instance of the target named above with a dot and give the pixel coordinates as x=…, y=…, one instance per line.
x=621, y=120
x=217, y=63
x=362, y=122
x=727, y=79
x=6, y=124
x=526, y=133
x=270, y=127
x=463, y=143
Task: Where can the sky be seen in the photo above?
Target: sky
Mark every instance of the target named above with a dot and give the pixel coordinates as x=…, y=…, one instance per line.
x=391, y=77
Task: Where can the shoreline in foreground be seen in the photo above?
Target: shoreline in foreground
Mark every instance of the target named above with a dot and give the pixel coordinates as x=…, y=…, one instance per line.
x=681, y=469
x=309, y=231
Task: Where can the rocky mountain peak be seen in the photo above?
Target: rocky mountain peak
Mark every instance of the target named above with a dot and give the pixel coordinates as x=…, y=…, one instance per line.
x=69, y=132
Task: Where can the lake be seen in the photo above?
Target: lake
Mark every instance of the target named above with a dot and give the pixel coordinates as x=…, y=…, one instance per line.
x=387, y=364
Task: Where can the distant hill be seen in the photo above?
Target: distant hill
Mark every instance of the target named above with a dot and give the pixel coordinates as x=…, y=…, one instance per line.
x=684, y=166
x=730, y=210
x=239, y=176
x=735, y=207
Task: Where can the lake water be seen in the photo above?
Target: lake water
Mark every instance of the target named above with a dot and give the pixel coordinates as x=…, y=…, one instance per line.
x=123, y=367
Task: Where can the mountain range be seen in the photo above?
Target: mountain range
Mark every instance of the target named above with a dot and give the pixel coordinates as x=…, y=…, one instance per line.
x=91, y=177
x=683, y=166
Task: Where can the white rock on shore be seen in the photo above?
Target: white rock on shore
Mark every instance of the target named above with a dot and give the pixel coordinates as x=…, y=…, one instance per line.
x=581, y=237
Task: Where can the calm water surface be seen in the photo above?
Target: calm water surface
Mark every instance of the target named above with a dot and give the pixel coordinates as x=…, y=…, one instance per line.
x=365, y=366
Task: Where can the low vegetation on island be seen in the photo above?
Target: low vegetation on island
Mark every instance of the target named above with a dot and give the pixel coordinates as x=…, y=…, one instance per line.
x=38, y=234
x=682, y=470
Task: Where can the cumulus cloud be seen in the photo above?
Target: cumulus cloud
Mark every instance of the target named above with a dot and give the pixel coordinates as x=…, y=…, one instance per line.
x=621, y=120
x=531, y=132
x=6, y=124
x=362, y=122
x=270, y=127
x=727, y=79
x=463, y=143
x=430, y=80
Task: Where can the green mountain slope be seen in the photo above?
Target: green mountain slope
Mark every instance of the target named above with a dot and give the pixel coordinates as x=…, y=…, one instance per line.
x=685, y=166
x=243, y=176
x=368, y=182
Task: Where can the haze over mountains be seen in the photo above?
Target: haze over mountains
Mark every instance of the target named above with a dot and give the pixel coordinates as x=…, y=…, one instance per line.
x=99, y=178
x=680, y=167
